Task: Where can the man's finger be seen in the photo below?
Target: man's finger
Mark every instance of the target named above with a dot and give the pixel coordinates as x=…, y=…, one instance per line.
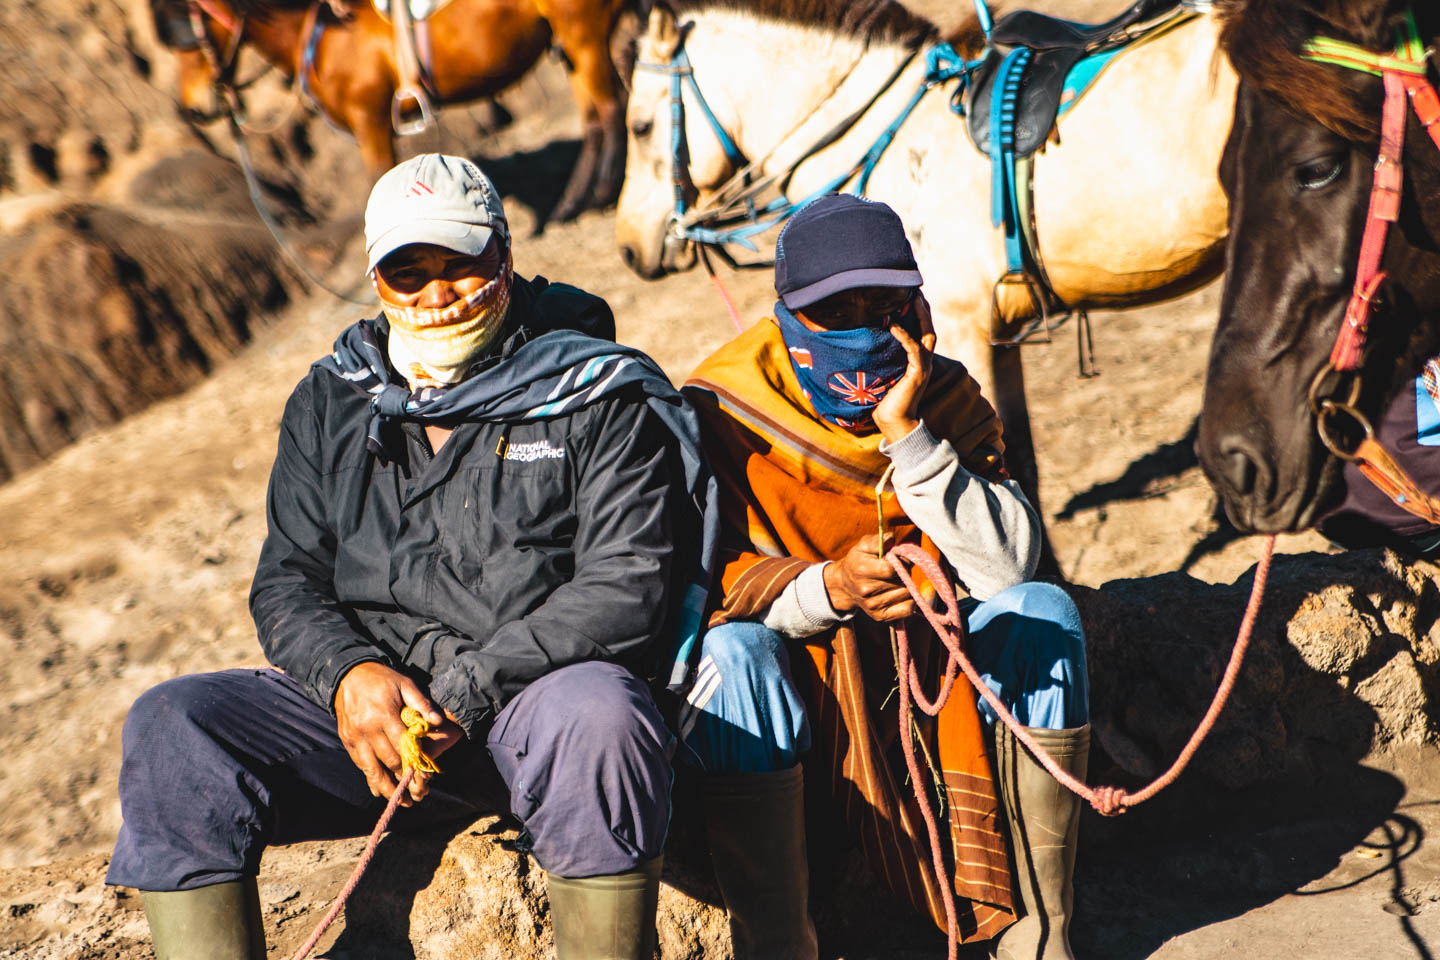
x=922, y=312
x=903, y=335
x=867, y=566
x=881, y=599
x=419, y=785
x=363, y=756
x=387, y=748
x=867, y=545
x=894, y=612
x=416, y=699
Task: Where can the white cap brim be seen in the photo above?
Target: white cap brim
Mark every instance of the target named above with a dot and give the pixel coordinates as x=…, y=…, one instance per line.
x=467, y=238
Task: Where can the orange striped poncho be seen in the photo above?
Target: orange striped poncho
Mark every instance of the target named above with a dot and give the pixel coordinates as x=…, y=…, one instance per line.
x=796, y=490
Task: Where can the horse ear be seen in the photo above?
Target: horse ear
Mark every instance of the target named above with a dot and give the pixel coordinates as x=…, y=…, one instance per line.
x=662, y=35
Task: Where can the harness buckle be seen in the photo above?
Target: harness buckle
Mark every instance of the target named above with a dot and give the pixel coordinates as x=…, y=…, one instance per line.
x=1331, y=407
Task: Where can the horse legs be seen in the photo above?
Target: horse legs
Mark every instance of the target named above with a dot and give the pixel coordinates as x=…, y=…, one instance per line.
x=1014, y=412
x=584, y=36
x=371, y=127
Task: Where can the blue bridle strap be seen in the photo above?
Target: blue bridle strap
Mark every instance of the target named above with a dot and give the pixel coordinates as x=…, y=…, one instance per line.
x=982, y=10
x=681, y=72
x=942, y=64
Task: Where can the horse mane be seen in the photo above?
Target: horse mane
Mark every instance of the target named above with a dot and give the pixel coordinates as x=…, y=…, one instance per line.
x=1263, y=40
x=864, y=19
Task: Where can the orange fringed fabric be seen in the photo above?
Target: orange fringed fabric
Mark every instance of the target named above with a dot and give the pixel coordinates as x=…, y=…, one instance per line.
x=796, y=490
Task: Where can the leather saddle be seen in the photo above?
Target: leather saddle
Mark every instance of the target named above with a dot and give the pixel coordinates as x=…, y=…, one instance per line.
x=1055, y=47
x=1026, y=28
x=1038, y=103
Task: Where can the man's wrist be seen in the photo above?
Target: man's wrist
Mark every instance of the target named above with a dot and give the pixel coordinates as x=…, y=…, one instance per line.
x=893, y=431
x=839, y=599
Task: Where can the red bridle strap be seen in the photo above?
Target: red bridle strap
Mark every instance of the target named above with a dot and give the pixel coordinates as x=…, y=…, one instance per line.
x=1405, y=74
x=1384, y=210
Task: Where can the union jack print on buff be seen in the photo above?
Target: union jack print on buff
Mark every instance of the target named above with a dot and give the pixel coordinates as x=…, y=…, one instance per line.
x=859, y=388
x=843, y=373
x=1427, y=404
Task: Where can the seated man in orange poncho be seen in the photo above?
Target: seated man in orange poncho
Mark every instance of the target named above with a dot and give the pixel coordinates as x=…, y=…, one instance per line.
x=802, y=415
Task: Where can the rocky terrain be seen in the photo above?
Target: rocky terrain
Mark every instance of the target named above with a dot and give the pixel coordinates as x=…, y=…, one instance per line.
x=153, y=329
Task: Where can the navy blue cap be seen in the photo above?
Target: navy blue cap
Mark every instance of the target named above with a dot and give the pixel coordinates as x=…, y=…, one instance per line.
x=840, y=242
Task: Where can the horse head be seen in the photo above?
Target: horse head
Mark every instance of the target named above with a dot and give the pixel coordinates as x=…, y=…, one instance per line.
x=1298, y=172
x=664, y=171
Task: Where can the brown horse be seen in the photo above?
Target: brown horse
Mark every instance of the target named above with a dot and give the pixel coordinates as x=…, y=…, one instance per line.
x=1298, y=171
x=479, y=47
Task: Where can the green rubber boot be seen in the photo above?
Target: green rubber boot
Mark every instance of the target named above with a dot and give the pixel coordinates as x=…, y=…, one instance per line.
x=756, y=826
x=1044, y=822
x=605, y=918
x=218, y=922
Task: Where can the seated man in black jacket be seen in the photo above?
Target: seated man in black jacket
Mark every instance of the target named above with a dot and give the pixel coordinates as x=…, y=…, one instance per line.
x=473, y=512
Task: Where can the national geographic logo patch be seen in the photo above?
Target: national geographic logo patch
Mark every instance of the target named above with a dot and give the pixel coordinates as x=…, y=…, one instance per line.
x=529, y=452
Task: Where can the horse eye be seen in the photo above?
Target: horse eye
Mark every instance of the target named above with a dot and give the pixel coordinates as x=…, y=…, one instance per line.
x=642, y=128
x=1316, y=174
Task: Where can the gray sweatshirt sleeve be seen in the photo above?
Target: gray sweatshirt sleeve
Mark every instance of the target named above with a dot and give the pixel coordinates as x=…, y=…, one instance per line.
x=803, y=608
x=988, y=531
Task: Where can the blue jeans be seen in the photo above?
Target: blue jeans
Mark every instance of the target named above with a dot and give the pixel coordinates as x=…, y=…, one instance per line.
x=745, y=716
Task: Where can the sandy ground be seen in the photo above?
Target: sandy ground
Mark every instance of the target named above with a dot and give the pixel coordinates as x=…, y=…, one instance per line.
x=129, y=558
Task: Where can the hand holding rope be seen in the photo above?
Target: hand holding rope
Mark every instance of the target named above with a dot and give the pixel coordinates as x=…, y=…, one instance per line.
x=414, y=758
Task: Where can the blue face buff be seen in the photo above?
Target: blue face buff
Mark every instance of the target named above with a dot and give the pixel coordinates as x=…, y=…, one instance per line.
x=845, y=373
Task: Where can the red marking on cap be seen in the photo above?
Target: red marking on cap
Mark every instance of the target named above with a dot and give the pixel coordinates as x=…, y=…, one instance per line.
x=417, y=188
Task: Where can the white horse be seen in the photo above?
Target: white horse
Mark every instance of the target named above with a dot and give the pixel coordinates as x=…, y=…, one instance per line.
x=1128, y=206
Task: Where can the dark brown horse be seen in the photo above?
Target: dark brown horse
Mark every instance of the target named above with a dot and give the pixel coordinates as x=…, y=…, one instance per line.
x=479, y=48
x=1298, y=171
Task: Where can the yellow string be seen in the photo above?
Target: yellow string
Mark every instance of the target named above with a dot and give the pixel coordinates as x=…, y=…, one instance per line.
x=411, y=754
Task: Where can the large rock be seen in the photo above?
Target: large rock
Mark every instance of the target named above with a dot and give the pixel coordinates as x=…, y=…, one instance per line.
x=1343, y=663
x=475, y=896
x=472, y=894
x=1342, y=666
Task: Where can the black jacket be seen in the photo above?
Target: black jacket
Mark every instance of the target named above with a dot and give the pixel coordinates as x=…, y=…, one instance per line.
x=517, y=549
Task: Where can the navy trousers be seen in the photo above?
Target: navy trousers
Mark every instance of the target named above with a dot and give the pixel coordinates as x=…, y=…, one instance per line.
x=218, y=766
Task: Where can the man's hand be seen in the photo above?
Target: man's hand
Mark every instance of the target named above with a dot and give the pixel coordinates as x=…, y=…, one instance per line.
x=367, y=706
x=898, y=412
x=862, y=581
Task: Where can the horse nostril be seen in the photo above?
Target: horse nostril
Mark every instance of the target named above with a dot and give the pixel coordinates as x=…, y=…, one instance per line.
x=1239, y=467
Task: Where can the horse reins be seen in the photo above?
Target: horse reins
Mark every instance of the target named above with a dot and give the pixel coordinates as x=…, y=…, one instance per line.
x=1406, y=77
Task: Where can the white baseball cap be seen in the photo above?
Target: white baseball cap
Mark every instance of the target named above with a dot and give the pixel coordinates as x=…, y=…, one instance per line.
x=433, y=198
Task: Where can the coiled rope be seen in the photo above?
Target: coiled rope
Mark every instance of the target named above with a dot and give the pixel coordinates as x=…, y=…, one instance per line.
x=950, y=628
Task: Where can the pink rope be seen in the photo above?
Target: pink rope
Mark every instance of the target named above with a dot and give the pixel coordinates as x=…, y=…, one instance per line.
x=360, y=867
x=1108, y=801
x=724, y=294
